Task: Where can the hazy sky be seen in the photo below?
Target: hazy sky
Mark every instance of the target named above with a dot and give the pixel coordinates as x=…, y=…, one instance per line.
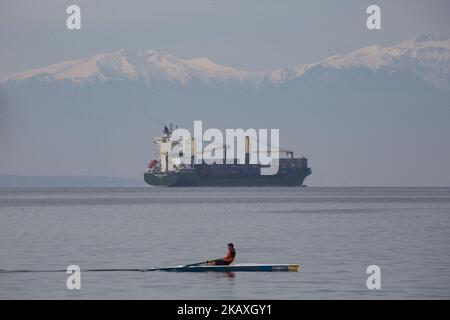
x=250, y=34
x=253, y=34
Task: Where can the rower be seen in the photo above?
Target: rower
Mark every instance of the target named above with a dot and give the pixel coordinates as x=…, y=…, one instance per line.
x=229, y=258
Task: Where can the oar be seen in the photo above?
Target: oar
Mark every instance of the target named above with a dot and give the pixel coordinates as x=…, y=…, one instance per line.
x=106, y=270
x=197, y=264
x=61, y=270
x=185, y=266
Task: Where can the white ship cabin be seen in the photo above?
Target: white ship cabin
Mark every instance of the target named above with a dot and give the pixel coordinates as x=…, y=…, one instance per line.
x=167, y=145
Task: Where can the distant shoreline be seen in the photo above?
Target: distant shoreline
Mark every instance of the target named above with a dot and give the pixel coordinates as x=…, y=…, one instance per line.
x=19, y=181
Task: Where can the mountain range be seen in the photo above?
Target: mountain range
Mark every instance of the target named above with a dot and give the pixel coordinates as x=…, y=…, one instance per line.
x=427, y=57
x=373, y=116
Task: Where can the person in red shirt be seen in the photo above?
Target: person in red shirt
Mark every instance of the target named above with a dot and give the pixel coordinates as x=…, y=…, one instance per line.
x=228, y=259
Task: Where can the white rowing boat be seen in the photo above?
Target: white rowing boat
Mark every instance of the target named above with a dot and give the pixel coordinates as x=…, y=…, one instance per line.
x=233, y=268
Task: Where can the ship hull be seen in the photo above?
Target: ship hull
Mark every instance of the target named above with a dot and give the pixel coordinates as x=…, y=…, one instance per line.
x=194, y=179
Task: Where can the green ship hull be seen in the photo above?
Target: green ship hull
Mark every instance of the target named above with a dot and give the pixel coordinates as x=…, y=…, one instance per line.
x=193, y=178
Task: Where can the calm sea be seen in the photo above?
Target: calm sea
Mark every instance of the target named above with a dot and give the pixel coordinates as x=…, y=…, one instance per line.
x=334, y=233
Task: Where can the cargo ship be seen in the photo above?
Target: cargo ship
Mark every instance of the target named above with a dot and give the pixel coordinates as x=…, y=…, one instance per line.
x=167, y=171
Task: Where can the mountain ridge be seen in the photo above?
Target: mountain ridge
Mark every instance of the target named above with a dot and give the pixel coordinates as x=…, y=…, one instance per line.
x=426, y=56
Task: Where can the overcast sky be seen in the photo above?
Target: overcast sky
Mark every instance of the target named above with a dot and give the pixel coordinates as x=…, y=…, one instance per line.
x=252, y=34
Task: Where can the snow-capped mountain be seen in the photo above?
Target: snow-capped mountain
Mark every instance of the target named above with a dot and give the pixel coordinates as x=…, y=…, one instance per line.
x=138, y=66
x=426, y=57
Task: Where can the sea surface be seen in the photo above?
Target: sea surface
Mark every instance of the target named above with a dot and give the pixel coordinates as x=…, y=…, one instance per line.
x=334, y=233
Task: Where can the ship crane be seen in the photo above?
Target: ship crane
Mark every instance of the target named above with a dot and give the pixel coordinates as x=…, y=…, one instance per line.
x=225, y=146
x=279, y=149
x=288, y=152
